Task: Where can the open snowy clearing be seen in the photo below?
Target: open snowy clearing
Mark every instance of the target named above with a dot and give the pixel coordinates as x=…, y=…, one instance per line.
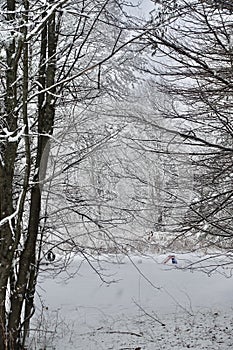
x=148, y=305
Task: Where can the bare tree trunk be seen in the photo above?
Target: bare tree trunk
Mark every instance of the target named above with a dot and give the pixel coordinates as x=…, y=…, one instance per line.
x=23, y=295
x=8, y=151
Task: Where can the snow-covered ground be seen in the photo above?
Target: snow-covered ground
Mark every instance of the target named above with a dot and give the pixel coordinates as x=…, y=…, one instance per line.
x=146, y=305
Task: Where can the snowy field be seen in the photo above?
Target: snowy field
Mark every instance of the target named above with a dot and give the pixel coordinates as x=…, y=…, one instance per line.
x=146, y=305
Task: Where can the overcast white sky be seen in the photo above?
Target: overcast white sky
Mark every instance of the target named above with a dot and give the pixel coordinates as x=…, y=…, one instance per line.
x=144, y=8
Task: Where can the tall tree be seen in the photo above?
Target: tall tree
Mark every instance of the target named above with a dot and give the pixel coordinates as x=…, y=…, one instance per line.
x=56, y=57
x=193, y=57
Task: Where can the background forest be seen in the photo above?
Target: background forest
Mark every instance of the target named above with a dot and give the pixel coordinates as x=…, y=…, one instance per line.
x=116, y=136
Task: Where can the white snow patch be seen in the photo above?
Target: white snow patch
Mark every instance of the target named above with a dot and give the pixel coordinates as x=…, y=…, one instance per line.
x=149, y=306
